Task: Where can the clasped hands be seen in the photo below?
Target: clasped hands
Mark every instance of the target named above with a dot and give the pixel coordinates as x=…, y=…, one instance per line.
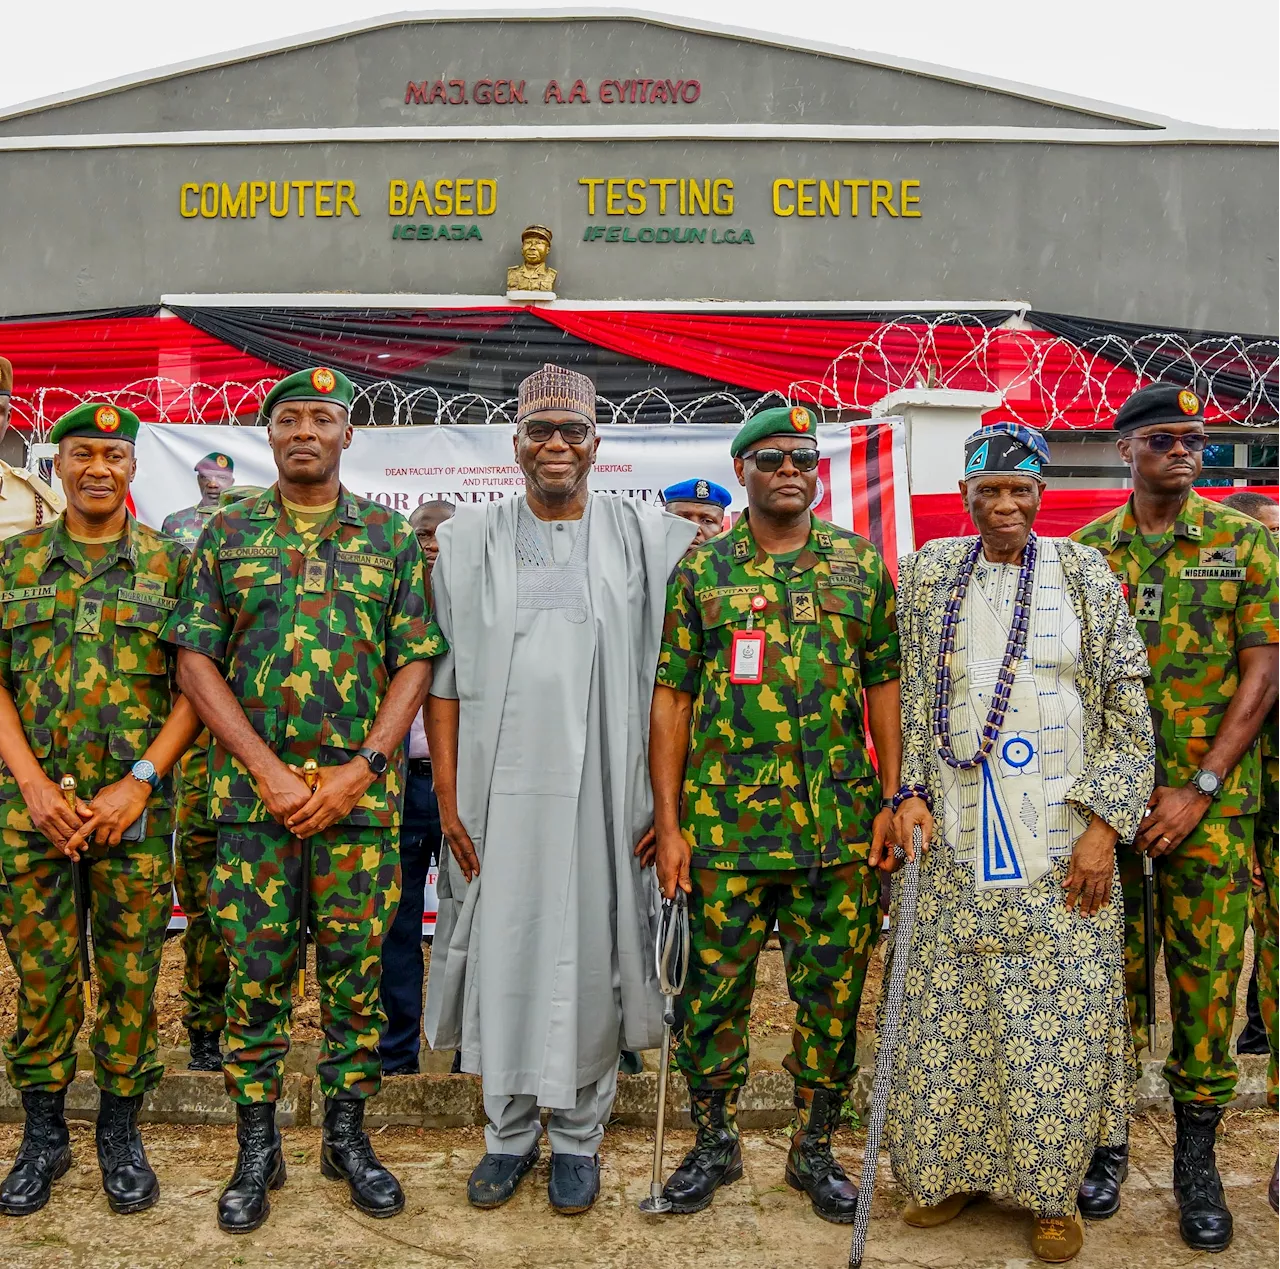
x=306, y=812
x=104, y=819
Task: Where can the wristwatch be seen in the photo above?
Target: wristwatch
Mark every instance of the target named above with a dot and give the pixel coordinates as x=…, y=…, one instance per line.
x=1207, y=783
x=144, y=771
x=377, y=761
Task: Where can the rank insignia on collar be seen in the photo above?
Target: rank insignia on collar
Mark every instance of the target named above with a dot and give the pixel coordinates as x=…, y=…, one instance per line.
x=1195, y=531
x=823, y=540
x=742, y=549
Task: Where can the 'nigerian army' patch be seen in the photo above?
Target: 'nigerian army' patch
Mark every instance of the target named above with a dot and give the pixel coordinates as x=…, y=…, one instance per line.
x=1149, y=601
x=1217, y=574
x=1217, y=555
x=362, y=557
x=150, y=597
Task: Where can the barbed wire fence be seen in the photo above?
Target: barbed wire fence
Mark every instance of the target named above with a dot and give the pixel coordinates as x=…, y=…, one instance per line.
x=1043, y=380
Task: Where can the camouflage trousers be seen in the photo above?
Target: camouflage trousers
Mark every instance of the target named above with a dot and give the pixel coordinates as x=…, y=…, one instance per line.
x=828, y=929
x=1266, y=919
x=1202, y=914
x=205, y=970
x=355, y=889
x=130, y=896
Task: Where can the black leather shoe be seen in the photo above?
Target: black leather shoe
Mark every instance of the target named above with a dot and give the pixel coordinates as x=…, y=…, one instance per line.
x=243, y=1205
x=346, y=1155
x=205, y=1052
x=811, y=1167
x=407, y=1069
x=43, y=1156
x=630, y=1063
x=716, y=1157
x=127, y=1177
x=1100, y=1190
x=1205, y=1223
x=575, y=1182
x=495, y=1177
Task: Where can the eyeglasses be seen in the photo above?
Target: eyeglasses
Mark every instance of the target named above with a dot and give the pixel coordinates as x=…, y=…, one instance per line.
x=1163, y=442
x=570, y=433
x=770, y=460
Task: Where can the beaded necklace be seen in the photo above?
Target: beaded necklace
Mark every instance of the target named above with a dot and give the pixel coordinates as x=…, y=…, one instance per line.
x=1014, y=650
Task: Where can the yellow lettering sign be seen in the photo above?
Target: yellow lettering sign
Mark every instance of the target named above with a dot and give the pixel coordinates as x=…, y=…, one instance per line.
x=812, y=196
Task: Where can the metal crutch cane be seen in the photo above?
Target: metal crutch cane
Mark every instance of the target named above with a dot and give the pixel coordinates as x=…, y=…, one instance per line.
x=890, y=1022
x=671, y=956
x=80, y=902
x=1149, y=949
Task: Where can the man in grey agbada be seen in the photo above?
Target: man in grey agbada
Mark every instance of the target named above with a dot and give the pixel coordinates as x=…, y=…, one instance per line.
x=542, y=969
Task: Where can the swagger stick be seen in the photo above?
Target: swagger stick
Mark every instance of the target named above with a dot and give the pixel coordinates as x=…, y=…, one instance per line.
x=890, y=1022
x=1149, y=943
x=310, y=771
x=80, y=904
x=671, y=955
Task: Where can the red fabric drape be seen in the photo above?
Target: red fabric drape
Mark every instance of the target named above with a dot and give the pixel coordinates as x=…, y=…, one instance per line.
x=162, y=356
x=1062, y=511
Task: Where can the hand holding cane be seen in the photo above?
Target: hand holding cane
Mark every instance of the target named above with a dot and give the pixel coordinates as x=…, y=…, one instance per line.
x=1149, y=942
x=68, y=786
x=890, y=1024
x=671, y=956
x=310, y=773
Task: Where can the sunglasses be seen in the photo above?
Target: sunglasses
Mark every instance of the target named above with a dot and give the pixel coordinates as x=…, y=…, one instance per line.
x=1163, y=442
x=770, y=460
x=570, y=433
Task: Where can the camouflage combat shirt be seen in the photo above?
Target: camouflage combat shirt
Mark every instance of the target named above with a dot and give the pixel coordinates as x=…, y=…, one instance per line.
x=308, y=639
x=778, y=774
x=82, y=657
x=1200, y=595
x=187, y=525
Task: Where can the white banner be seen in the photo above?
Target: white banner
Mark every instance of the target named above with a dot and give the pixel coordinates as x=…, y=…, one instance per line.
x=862, y=476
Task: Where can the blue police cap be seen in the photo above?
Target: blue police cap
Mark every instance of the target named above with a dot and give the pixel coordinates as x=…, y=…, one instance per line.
x=697, y=491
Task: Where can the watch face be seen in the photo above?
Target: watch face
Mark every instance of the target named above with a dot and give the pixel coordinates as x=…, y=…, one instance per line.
x=1207, y=782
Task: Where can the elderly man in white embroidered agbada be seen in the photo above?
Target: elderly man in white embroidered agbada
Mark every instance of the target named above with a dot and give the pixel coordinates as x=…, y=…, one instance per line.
x=1028, y=752
x=538, y=723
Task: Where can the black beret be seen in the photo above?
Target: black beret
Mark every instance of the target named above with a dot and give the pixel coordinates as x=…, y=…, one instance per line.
x=1159, y=403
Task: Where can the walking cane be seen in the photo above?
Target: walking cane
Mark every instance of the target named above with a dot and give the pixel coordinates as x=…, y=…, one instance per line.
x=310, y=771
x=890, y=1022
x=1149, y=929
x=81, y=905
x=671, y=955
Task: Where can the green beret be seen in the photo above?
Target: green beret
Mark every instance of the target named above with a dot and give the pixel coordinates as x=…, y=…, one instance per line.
x=320, y=384
x=97, y=418
x=783, y=420
x=216, y=462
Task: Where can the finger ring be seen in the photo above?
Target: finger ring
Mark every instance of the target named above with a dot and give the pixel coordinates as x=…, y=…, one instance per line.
x=1165, y=838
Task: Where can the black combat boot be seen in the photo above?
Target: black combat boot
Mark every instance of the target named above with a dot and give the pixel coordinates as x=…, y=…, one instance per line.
x=127, y=1177
x=1100, y=1190
x=205, y=1052
x=43, y=1156
x=716, y=1157
x=1205, y=1223
x=810, y=1164
x=346, y=1155
x=259, y=1168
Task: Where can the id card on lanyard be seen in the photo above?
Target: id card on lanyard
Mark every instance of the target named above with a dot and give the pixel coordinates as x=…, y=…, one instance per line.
x=746, y=655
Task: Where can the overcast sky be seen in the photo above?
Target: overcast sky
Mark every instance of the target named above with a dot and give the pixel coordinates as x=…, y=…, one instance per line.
x=1205, y=63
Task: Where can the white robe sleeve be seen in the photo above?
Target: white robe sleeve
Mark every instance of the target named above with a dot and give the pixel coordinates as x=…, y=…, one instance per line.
x=444, y=683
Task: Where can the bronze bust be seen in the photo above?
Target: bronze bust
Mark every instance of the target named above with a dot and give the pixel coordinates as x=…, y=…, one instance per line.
x=533, y=274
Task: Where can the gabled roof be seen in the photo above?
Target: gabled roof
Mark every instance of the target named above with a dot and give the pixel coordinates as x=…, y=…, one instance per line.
x=1042, y=106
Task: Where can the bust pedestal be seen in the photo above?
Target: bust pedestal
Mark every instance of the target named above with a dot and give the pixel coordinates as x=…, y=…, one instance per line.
x=531, y=297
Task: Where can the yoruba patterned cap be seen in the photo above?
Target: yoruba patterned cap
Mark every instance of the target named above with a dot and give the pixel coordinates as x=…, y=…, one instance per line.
x=1159, y=403
x=1007, y=447
x=318, y=384
x=6, y=376
x=97, y=418
x=555, y=388
x=215, y=463
x=782, y=420
x=705, y=491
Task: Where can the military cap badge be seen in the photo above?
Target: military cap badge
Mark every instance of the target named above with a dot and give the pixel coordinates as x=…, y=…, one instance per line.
x=702, y=490
x=1188, y=402
x=221, y=460
x=800, y=419
x=323, y=380
x=106, y=418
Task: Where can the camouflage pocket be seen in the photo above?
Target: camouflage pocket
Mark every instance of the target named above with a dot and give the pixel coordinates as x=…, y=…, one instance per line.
x=30, y=626
x=845, y=616
x=1206, y=613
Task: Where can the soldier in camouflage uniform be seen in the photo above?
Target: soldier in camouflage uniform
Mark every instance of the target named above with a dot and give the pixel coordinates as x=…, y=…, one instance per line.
x=205, y=969
x=1201, y=580
x=304, y=632
x=86, y=691
x=215, y=473
x=766, y=802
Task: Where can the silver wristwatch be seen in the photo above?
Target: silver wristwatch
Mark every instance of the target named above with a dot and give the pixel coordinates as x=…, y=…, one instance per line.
x=1207, y=783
